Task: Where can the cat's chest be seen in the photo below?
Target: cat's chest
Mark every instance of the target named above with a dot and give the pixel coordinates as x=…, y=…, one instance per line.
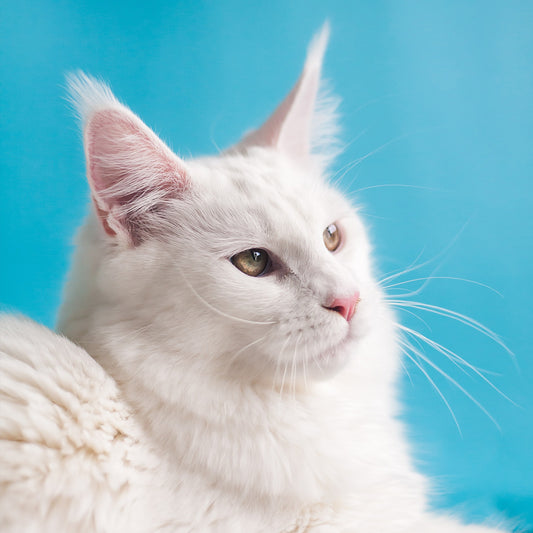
x=291, y=465
x=294, y=447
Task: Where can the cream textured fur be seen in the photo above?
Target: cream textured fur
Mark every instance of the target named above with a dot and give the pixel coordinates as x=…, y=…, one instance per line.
x=211, y=401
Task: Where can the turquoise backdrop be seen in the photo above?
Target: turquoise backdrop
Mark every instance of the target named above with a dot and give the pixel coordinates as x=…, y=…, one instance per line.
x=437, y=118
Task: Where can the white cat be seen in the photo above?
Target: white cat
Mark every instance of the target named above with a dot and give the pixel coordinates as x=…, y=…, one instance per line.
x=242, y=365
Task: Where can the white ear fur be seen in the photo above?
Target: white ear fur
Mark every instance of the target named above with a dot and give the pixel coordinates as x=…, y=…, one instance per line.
x=130, y=170
x=304, y=124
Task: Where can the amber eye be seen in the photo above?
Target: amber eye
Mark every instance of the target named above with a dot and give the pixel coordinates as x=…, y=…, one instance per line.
x=332, y=237
x=254, y=262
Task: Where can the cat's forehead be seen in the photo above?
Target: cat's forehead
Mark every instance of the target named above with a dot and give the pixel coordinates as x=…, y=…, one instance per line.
x=268, y=184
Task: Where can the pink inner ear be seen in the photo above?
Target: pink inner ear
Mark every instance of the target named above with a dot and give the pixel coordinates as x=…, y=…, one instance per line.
x=131, y=171
x=121, y=147
x=295, y=135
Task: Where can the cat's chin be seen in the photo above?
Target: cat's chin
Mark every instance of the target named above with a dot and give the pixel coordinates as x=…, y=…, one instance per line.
x=330, y=362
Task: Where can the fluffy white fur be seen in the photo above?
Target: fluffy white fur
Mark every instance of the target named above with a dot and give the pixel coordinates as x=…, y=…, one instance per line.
x=211, y=401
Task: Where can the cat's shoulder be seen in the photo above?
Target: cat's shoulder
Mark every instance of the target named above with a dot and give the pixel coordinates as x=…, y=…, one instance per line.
x=67, y=440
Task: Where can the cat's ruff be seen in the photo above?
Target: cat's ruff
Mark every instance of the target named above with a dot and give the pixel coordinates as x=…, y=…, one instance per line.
x=212, y=400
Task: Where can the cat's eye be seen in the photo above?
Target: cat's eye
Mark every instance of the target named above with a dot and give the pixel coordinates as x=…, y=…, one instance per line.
x=332, y=237
x=254, y=262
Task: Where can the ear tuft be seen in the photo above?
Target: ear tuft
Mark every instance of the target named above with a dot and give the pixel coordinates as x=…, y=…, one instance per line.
x=131, y=172
x=87, y=95
x=317, y=48
x=325, y=130
x=304, y=125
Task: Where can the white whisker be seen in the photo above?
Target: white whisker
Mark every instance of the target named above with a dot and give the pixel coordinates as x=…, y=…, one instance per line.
x=285, y=365
x=454, y=315
x=218, y=311
x=430, y=278
x=305, y=366
x=402, y=185
x=414, y=266
x=449, y=378
x=416, y=316
x=339, y=175
x=293, y=366
x=423, y=370
x=244, y=348
x=406, y=371
x=456, y=359
x=411, y=268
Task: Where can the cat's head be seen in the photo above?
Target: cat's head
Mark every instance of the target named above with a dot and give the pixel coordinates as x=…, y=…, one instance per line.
x=248, y=261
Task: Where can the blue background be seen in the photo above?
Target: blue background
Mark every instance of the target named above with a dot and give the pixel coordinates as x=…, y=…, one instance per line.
x=437, y=94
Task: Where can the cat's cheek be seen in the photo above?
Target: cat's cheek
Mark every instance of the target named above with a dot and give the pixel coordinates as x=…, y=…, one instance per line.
x=362, y=322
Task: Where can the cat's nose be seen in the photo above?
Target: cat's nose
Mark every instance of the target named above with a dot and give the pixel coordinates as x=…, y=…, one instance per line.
x=345, y=306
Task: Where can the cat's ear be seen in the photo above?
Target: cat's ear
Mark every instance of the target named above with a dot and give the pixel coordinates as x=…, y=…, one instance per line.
x=131, y=172
x=305, y=121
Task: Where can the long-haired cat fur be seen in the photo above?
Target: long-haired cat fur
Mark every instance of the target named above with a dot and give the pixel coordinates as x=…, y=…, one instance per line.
x=235, y=362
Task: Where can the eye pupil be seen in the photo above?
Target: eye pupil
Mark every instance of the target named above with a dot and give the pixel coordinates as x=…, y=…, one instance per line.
x=254, y=262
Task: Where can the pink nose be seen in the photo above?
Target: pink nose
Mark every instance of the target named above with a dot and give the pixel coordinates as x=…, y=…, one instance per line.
x=345, y=306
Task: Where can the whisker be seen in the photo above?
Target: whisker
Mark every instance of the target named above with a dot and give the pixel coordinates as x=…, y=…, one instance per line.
x=439, y=392
x=244, y=348
x=285, y=365
x=430, y=278
x=416, y=316
x=317, y=362
x=305, y=366
x=293, y=366
x=414, y=266
x=212, y=133
x=455, y=359
x=336, y=178
x=449, y=378
x=366, y=214
x=218, y=311
x=402, y=185
x=459, y=317
x=348, y=167
x=406, y=371
x=128, y=335
x=411, y=268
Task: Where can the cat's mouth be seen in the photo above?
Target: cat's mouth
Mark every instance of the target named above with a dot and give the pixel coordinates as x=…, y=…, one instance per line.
x=331, y=359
